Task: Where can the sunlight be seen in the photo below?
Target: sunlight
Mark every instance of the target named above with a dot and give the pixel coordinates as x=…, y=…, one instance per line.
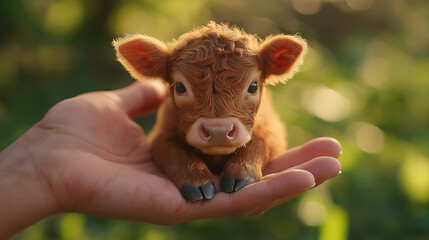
x=72, y=226
x=336, y=224
x=313, y=206
x=312, y=213
x=153, y=234
x=369, y=138
x=325, y=103
x=414, y=176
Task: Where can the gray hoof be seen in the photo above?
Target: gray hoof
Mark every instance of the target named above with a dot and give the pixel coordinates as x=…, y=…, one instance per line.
x=195, y=193
x=229, y=184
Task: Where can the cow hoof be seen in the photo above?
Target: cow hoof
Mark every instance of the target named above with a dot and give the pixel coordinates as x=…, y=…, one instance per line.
x=195, y=193
x=229, y=184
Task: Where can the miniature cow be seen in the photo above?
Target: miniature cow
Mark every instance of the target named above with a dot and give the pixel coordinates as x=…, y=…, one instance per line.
x=219, y=119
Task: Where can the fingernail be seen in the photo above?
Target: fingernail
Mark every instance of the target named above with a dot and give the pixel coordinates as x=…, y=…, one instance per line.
x=312, y=186
x=338, y=173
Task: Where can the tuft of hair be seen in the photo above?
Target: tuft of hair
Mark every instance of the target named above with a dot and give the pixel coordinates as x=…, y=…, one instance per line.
x=231, y=32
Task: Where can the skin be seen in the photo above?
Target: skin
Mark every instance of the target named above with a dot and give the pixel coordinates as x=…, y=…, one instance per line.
x=87, y=155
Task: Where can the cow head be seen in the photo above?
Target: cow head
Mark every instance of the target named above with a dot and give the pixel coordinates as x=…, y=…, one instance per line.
x=216, y=75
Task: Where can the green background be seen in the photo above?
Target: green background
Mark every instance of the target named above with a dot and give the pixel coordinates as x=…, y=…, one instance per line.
x=365, y=82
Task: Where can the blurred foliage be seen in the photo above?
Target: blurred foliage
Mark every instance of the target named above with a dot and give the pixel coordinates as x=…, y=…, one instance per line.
x=365, y=82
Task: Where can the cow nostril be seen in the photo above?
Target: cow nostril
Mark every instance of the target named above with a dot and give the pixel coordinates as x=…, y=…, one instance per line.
x=218, y=134
x=205, y=135
x=231, y=134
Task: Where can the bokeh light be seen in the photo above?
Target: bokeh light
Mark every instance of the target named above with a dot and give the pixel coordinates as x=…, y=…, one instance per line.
x=374, y=71
x=313, y=207
x=325, y=102
x=414, y=176
x=336, y=224
x=307, y=6
x=312, y=213
x=369, y=138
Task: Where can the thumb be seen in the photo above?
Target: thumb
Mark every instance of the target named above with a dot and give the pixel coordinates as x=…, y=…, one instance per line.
x=141, y=98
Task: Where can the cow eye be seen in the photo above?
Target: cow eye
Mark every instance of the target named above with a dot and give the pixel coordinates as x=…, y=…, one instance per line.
x=180, y=88
x=253, y=87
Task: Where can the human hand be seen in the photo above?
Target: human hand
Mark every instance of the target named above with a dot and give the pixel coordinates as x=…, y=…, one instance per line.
x=89, y=156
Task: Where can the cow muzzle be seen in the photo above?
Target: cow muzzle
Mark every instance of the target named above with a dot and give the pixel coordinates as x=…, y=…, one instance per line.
x=218, y=135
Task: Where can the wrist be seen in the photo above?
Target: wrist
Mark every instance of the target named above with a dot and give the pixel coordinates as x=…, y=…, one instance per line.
x=25, y=195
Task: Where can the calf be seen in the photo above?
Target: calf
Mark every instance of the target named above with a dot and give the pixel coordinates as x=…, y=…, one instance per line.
x=219, y=119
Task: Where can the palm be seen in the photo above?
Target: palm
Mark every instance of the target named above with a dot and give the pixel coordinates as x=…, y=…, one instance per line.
x=102, y=165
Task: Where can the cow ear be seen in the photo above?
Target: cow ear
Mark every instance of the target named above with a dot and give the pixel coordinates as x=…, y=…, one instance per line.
x=281, y=56
x=143, y=57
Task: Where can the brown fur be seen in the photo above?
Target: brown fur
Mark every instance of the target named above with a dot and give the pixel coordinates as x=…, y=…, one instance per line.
x=216, y=61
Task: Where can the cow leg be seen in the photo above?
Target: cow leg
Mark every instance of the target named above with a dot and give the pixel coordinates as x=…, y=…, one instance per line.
x=244, y=166
x=188, y=172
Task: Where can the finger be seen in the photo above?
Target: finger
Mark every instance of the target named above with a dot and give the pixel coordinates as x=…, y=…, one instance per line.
x=322, y=168
x=141, y=97
x=264, y=207
x=251, y=197
x=317, y=147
